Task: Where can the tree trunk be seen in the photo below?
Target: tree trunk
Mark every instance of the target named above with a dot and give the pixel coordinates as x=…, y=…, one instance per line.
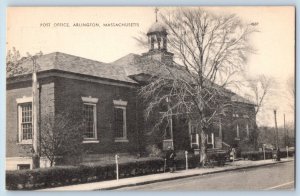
x=51, y=162
x=203, y=156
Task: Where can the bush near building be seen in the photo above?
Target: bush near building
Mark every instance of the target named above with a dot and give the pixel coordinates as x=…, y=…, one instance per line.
x=259, y=155
x=67, y=175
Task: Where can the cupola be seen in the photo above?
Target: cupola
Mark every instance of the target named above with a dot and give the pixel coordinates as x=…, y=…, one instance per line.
x=157, y=41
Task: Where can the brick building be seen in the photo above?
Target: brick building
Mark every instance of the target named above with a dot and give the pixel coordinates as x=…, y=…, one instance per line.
x=106, y=96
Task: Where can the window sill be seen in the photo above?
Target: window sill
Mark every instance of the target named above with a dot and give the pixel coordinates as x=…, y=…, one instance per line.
x=121, y=140
x=25, y=142
x=91, y=141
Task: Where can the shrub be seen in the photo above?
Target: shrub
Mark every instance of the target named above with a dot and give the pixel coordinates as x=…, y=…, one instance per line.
x=64, y=175
x=218, y=157
x=290, y=153
x=256, y=155
x=153, y=151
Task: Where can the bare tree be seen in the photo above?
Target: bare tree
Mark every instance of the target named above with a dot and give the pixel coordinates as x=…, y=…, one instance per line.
x=261, y=88
x=61, y=136
x=212, y=50
x=290, y=84
x=13, y=63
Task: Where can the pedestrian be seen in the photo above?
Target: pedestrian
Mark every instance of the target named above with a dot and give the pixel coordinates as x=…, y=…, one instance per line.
x=278, y=154
x=170, y=159
x=232, y=154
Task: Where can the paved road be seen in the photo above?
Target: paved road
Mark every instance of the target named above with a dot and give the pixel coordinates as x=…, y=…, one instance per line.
x=272, y=177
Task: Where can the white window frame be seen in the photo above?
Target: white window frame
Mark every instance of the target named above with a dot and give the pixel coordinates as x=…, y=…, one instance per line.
x=120, y=104
x=93, y=102
x=247, y=129
x=20, y=102
x=197, y=135
x=212, y=139
x=170, y=125
x=237, y=131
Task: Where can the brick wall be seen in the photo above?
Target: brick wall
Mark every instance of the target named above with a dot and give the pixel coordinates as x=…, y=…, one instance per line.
x=68, y=93
x=59, y=95
x=19, y=90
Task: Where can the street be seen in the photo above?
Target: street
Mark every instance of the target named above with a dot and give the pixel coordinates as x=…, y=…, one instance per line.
x=271, y=177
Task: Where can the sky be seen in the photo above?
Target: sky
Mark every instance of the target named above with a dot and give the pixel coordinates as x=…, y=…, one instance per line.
x=28, y=30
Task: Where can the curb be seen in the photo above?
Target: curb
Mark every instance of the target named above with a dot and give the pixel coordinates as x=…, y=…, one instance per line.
x=190, y=175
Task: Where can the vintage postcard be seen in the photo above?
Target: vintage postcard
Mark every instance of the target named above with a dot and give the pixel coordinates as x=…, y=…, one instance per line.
x=150, y=98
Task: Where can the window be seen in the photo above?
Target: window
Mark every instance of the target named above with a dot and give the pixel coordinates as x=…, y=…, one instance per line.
x=120, y=128
x=119, y=123
x=194, y=137
x=235, y=115
x=90, y=120
x=193, y=134
x=26, y=121
x=25, y=129
x=237, y=131
x=247, y=129
x=210, y=139
x=168, y=131
x=23, y=166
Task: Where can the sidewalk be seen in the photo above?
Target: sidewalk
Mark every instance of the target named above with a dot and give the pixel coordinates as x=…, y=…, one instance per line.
x=125, y=182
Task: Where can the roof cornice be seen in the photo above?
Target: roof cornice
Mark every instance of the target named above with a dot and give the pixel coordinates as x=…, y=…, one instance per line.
x=75, y=76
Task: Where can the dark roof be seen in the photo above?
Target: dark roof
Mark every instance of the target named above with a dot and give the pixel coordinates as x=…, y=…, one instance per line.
x=74, y=64
x=134, y=66
x=121, y=70
x=238, y=98
x=128, y=59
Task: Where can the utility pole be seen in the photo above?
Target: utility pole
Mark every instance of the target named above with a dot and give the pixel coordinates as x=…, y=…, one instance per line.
x=276, y=129
x=35, y=139
x=286, y=132
x=285, y=139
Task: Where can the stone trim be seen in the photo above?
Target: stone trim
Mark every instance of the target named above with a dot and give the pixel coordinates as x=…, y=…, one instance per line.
x=120, y=103
x=89, y=99
x=24, y=99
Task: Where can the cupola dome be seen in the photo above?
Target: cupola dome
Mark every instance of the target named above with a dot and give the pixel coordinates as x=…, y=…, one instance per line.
x=157, y=27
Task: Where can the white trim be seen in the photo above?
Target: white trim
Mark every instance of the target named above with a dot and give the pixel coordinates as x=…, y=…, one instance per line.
x=247, y=129
x=20, y=142
x=120, y=103
x=88, y=141
x=213, y=140
x=245, y=116
x=121, y=140
x=24, y=99
x=220, y=129
x=196, y=135
x=89, y=99
x=237, y=131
